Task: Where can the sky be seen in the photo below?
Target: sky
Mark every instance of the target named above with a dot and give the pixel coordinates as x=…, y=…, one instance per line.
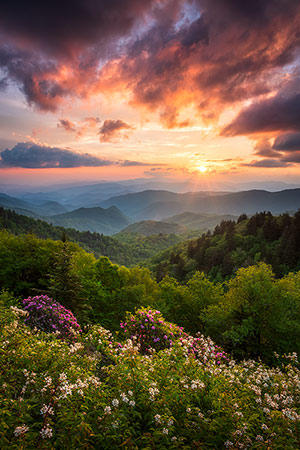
x=165, y=89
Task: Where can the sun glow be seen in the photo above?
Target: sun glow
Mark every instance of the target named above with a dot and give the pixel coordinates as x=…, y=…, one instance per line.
x=202, y=169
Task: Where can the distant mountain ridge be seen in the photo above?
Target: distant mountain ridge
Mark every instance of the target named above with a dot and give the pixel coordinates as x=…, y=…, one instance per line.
x=153, y=205
x=159, y=205
x=107, y=221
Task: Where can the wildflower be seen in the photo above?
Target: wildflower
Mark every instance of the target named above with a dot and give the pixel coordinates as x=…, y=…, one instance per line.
x=124, y=397
x=107, y=410
x=47, y=410
x=46, y=432
x=115, y=402
x=165, y=431
x=20, y=431
x=157, y=418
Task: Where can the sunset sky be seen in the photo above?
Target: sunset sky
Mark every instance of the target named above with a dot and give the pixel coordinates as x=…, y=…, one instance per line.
x=170, y=89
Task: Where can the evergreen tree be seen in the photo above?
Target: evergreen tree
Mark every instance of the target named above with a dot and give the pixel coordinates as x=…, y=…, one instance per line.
x=64, y=282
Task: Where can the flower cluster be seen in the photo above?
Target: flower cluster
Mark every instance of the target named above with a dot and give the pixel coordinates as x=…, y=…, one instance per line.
x=150, y=331
x=203, y=349
x=51, y=317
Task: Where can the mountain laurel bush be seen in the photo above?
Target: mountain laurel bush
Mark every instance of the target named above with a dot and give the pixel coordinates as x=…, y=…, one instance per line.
x=49, y=316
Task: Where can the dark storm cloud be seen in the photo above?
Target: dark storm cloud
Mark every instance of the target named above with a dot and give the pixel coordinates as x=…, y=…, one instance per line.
x=287, y=142
x=292, y=158
x=32, y=156
x=273, y=114
x=35, y=76
x=114, y=129
x=230, y=53
x=64, y=25
x=224, y=51
x=58, y=34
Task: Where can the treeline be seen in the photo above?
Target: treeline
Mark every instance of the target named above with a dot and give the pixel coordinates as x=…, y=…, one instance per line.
x=252, y=315
x=274, y=240
x=127, y=249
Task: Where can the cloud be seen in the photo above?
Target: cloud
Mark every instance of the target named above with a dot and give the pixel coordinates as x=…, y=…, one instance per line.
x=285, y=151
x=292, y=158
x=67, y=125
x=166, y=56
x=81, y=127
x=217, y=59
x=113, y=130
x=287, y=142
x=92, y=122
x=267, y=163
x=35, y=156
x=264, y=148
x=63, y=26
x=128, y=163
x=50, y=57
x=273, y=114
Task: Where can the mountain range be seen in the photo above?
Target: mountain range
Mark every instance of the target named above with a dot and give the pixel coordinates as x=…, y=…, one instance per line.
x=107, y=221
x=192, y=210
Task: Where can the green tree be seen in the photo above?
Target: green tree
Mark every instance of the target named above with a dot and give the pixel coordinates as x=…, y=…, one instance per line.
x=65, y=284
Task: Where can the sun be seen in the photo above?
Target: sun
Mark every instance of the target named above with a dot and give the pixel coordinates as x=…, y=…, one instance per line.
x=202, y=169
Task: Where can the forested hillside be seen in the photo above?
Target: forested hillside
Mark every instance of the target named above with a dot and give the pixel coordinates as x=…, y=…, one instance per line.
x=128, y=249
x=152, y=374
x=262, y=237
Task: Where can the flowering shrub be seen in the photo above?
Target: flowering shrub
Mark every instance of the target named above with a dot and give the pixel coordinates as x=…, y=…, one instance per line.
x=49, y=316
x=204, y=349
x=51, y=396
x=150, y=331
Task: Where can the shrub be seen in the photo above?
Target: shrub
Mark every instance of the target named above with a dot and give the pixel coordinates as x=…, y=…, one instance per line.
x=150, y=331
x=51, y=317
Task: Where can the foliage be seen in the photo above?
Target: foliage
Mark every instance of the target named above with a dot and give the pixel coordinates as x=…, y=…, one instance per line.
x=149, y=330
x=64, y=283
x=258, y=315
x=252, y=315
x=96, y=394
x=49, y=316
x=261, y=238
x=124, y=248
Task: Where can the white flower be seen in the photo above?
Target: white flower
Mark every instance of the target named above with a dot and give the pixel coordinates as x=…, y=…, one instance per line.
x=132, y=403
x=46, y=432
x=107, y=410
x=157, y=418
x=124, y=397
x=21, y=430
x=165, y=431
x=115, y=402
x=47, y=409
